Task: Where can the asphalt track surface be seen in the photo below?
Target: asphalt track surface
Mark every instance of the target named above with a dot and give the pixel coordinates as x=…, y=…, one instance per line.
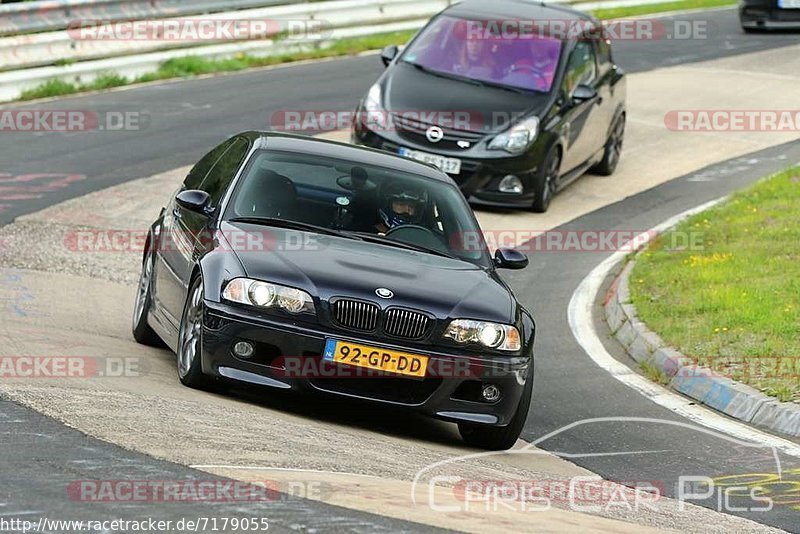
x=187, y=117
x=48, y=460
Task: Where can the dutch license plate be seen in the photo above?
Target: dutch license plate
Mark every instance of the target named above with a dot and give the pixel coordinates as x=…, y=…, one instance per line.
x=390, y=361
x=448, y=165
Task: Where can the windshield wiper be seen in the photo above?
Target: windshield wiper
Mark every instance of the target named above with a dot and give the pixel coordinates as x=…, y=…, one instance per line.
x=366, y=236
x=473, y=81
x=517, y=90
x=441, y=74
x=293, y=225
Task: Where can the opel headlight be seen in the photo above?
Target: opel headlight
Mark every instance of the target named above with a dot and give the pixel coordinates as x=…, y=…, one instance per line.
x=518, y=138
x=267, y=295
x=373, y=103
x=491, y=335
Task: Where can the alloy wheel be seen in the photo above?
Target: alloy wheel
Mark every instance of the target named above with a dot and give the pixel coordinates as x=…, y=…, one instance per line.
x=191, y=331
x=143, y=291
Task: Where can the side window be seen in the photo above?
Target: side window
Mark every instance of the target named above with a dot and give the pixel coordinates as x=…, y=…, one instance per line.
x=220, y=176
x=603, y=55
x=195, y=177
x=581, y=68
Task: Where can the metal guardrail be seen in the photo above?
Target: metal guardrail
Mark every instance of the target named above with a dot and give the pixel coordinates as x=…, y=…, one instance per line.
x=52, y=48
x=349, y=18
x=31, y=17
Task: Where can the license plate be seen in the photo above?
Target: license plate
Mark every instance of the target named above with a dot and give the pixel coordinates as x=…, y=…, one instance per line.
x=789, y=4
x=448, y=165
x=390, y=361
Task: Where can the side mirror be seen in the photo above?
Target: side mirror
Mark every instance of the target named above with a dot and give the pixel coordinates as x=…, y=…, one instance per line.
x=582, y=93
x=194, y=200
x=509, y=258
x=388, y=54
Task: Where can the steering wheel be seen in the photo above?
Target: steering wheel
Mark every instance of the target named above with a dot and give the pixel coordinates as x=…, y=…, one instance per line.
x=541, y=81
x=417, y=235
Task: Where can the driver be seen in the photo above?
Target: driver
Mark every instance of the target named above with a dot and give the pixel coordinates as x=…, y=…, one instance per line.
x=537, y=67
x=401, y=204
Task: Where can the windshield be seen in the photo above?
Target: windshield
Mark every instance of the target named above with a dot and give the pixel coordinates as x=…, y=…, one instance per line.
x=359, y=201
x=469, y=49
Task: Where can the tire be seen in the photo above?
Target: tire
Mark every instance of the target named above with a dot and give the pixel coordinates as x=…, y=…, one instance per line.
x=500, y=438
x=190, y=339
x=142, y=332
x=545, y=182
x=612, y=149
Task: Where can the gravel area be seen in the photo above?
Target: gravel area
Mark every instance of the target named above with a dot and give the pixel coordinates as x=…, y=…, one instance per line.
x=95, y=236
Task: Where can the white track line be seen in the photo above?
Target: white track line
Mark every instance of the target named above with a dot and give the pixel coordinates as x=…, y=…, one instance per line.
x=582, y=325
x=289, y=469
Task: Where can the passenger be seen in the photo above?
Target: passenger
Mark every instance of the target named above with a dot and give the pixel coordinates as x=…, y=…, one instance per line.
x=475, y=60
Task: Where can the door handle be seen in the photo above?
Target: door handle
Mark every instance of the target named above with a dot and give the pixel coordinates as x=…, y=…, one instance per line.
x=176, y=212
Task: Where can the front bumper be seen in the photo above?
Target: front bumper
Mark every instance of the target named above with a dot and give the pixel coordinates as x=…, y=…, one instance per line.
x=442, y=397
x=481, y=169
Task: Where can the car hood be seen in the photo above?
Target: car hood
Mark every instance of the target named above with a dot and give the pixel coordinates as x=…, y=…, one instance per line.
x=329, y=266
x=407, y=89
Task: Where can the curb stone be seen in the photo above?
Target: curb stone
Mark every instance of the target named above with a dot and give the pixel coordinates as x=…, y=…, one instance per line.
x=732, y=398
x=774, y=414
x=626, y=334
x=669, y=360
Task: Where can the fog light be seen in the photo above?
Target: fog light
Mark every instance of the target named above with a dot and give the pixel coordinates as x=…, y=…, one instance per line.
x=490, y=393
x=511, y=184
x=244, y=349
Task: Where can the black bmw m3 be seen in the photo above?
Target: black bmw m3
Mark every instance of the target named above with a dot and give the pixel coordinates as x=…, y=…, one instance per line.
x=303, y=264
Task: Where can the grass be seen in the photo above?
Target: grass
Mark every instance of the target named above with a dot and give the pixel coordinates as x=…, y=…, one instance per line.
x=732, y=301
x=654, y=373
x=677, y=5
x=59, y=87
x=195, y=65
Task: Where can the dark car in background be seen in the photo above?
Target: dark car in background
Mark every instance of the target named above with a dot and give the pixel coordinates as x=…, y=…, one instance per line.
x=304, y=264
x=512, y=117
x=759, y=15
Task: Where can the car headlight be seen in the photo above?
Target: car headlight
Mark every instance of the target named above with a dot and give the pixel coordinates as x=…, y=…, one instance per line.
x=373, y=103
x=267, y=295
x=490, y=335
x=518, y=138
